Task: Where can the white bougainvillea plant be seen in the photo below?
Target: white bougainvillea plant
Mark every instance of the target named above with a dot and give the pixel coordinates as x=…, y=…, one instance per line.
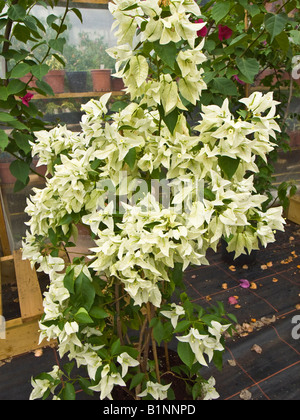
x=110, y=310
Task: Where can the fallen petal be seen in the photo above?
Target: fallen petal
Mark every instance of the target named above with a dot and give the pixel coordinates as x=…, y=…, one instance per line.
x=245, y=284
x=245, y=395
x=232, y=300
x=257, y=349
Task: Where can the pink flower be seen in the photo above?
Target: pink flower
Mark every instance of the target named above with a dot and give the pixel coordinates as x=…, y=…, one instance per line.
x=203, y=31
x=245, y=284
x=232, y=300
x=224, y=32
x=239, y=80
x=27, y=98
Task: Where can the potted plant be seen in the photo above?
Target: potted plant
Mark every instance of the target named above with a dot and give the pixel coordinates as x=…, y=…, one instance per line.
x=56, y=75
x=112, y=310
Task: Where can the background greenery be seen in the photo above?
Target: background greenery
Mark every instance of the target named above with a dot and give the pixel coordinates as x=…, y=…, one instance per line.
x=260, y=52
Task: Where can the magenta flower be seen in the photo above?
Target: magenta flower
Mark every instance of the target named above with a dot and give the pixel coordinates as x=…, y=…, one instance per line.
x=224, y=32
x=203, y=31
x=27, y=98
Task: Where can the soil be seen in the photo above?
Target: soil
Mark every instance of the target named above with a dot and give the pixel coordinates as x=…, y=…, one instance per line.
x=178, y=385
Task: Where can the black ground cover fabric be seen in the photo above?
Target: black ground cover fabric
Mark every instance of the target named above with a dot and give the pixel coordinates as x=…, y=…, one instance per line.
x=272, y=374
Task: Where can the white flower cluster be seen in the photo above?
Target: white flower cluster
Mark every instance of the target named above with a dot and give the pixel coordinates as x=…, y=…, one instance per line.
x=203, y=343
x=139, y=248
x=134, y=68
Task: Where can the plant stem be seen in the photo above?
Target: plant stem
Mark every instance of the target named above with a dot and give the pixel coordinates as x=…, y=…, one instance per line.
x=167, y=356
x=150, y=310
x=142, y=333
x=118, y=313
x=7, y=37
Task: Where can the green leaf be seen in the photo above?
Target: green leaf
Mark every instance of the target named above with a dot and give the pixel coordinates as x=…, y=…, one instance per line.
x=116, y=347
x=220, y=10
x=84, y=292
x=218, y=360
x=15, y=86
x=196, y=390
x=4, y=117
x=98, y=313
x=228, y=165
x=249, y=67
x=130, y=158
x=225, y=86
x=167, y=53
x=20, y=70
x=77, y=13
x=4, y=140
x=118, y=106
x=283, y=41
x=45, y=88
x=20, y=170
x=22, y=141
x=295, y=35
x=171, y=119
x=69, y=281
x=177, y=274
x=66, y=220
x=275, y=24
x=57, y=44
x=68, y=367
x=39, y=71
x=22, y=33
x=186, y=354
x=159, y=332
x=16, y=12
x=19, y=186
x=69, y=392
x=3, y=93
x=82, y=317
x=136, y=380
x=182, y=326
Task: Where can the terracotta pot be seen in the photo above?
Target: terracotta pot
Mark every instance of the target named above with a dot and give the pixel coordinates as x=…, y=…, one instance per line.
x=269, y=72
x=5, y=175
x=117, y=84
x=56, y=79
x=101, y=80
x=295, y=138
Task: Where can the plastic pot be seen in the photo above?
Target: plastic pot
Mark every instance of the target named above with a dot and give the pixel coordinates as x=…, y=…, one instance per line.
x=77, y=81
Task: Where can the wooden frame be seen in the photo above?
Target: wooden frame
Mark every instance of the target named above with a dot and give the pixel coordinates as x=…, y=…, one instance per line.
x=76, y=95
x=22, y=334
x=294, y=209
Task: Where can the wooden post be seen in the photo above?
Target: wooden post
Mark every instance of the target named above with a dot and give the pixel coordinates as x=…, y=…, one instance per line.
x=3, y=231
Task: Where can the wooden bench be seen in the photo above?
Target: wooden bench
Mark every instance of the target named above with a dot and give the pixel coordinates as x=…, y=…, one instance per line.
x=22, y=334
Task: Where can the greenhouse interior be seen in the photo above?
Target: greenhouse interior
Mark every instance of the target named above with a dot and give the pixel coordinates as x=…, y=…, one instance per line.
x=150, y=202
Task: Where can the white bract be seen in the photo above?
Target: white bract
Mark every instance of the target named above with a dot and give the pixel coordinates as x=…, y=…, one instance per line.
x=103, y=177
